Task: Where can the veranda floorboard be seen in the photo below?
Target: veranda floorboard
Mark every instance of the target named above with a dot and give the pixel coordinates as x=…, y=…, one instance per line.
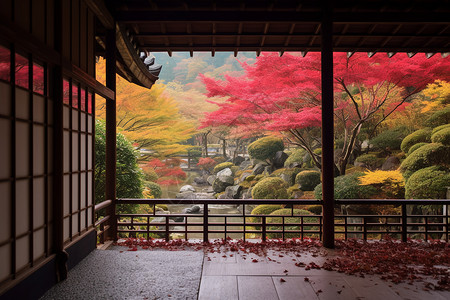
x=256, y=287
x=218, y=288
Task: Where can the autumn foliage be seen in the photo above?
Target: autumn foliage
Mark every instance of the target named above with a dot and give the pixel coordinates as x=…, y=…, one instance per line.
x=283, y=94
x=169, y=171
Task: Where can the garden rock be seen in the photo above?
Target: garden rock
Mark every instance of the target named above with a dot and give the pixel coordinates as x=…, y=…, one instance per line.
x=391, y=163
x=288, y=178
x=258, y=169
x=238, y=160
x=225, y=172
x=244, y=176
x=247, y=194
x=211, y=179
x=200, y=180
x=245, y=164
x=221, y=182
x=233, y=192
x=187, y=188
x=279, y=159
x=192, y=210
x=360, y=164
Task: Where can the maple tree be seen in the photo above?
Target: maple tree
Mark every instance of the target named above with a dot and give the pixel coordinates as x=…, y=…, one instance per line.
x=283, y=94
x=168, y=170
x=149, y=118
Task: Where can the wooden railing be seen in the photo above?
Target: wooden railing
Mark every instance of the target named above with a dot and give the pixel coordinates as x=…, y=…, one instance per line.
x=102, y=223
x=206, y=225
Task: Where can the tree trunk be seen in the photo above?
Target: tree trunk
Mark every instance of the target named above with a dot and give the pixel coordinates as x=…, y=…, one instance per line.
x=224, y=148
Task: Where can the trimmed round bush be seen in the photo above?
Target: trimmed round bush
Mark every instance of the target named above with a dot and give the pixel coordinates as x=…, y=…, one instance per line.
x=265, y=209
x=308, y=180
x=348, y=187
x=390, y=139
x=289, y=220
x=270, y=188
x=287, y=174
x=415, y=147
x=265, y=148
x=422, y=135
x=428, y=183
x=438, y=118
x=234, y=169
x=153, y=188
x=222, y=166
x=295, y=157
x=436, y=129
x=315, y=209
x=370, y=160
x=425, y=156
x=150, y=174
x=442, y=136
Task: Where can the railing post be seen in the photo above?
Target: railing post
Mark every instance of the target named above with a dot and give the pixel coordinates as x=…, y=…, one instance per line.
x=167, y=229
x=404, y=224
x=364, y=229
x=205, y=223
x=263, y=237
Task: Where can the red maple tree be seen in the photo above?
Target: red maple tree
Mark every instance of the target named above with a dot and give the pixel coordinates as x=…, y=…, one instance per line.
x=283, y=94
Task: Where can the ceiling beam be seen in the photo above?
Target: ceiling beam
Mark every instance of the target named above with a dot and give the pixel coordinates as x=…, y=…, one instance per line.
x=142, y=16
x=99, y=9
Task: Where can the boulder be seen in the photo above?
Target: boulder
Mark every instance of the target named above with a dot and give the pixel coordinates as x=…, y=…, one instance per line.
x=247, y=194
x=238, y=160
x=245, y=164
x=268, y=170
x=391, y=163
x=233, y=192
x=258, y=169
x=288, y=178
x=211, y=179
x=244, y=176
x=360, y=164
x=187, y=188
x=225, y=172
x=279, y=159
x=221, y=182
x=200, y=180
x=192, y=210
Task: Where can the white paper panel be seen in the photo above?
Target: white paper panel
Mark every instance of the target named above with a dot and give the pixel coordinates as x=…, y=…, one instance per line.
x=74, y=225
x=66, y=151
x=90, y=124
x=38, y=202
x=75, y=192
x=22, y=206
x=22, y=253
x=66, y=228
x=74, y=119
x=5, y=148
x=74, y=151
x=83, y=220
x=50, y=149
x=22, y=104
x=38, y=243
x=22, y=149
x=5, y=211
x=38, y=108
x=83, y=150
x=83, y=122
x=66, y=114
x=83, y=190
x=66, y=194
x=5, y=261
x=38, y=149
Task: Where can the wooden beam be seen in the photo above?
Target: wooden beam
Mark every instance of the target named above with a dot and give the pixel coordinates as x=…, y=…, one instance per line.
x=99, y=9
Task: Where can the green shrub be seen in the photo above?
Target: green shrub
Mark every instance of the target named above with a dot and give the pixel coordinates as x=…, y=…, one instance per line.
x=315, y=209
x=289, y=174
x=270, y=188
x=265, y=148
x=150, y=174
x=162, y=206
x=250, y=178
x=259, y=177
x=390, y=139
x=222, y=166
x=428, y=183
x=295, y=157
x=289, y=220
x=153, y=189
x=264, y=209
x=438, y=118
x=436, y=129
x=370, y=160
x=348, y=187
x=421, y=135
x=425, y=156
x=234, y=169
x=292, y=190
x=308, y=180
x=442, y=136
x=415, y=147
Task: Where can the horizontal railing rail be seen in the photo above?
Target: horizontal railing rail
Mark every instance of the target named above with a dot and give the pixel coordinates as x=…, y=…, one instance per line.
x=206, y=224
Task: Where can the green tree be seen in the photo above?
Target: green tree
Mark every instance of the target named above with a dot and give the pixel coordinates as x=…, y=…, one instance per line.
x=129, y=182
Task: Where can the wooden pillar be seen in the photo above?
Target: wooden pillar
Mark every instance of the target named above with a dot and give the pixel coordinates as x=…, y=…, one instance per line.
x=58, y=150
x=110, y=182
x=327, y=127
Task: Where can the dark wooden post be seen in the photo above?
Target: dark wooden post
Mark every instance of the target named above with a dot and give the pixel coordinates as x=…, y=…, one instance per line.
x=327, y=127
x=404, y=224
x=110, y=182
x=58, y=150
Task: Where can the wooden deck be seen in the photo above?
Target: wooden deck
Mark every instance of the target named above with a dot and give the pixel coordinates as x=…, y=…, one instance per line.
x=237, y=276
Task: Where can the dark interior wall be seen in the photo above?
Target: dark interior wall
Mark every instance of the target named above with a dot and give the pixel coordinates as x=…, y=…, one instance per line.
x=28, y=60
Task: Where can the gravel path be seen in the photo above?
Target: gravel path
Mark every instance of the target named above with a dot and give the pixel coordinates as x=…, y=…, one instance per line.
x=143, y=274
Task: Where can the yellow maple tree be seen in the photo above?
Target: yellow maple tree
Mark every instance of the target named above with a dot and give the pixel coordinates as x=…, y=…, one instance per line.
x=148, y=117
